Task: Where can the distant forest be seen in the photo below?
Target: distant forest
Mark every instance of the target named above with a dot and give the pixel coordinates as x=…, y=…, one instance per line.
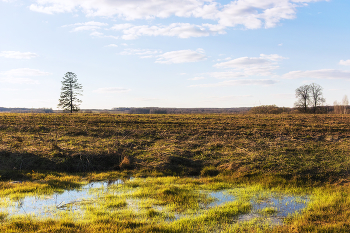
x=264, y=109
x=145, y=110
x=27, y=110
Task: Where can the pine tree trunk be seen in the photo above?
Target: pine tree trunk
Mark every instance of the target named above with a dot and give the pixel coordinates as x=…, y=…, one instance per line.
x=71, y=98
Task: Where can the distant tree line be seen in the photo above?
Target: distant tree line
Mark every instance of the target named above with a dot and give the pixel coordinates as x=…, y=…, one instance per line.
x=155, y=110
x=269, y=109
x=27, y=110
x=309, y=100
x=341, y=107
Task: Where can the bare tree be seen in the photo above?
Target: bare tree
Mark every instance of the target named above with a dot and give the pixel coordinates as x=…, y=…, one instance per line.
x=337, y=108
x=345, y=103
x=316, y=96
x=302, y=93
x=69, y=93
x=341, y=107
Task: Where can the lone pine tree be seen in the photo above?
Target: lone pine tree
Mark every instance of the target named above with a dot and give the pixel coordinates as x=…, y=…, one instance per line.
x=70, y=91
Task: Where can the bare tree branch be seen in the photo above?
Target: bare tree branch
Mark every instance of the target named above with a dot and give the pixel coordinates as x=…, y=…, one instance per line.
x=303, y=95
x=316, y=96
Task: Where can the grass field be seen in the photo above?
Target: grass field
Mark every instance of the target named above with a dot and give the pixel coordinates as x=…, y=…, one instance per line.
x=303, y=154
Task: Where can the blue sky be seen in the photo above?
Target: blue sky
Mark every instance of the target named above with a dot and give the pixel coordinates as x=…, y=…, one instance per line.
x=173, y=53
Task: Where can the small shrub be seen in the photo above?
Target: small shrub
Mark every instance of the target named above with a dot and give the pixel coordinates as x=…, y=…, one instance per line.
x=126, y=163
x=152, y=213
x=268, y=109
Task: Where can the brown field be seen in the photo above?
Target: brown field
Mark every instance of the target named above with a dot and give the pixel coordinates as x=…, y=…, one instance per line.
x=293, y=153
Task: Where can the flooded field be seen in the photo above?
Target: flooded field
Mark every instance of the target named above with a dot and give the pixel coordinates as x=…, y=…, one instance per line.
x=161, y=200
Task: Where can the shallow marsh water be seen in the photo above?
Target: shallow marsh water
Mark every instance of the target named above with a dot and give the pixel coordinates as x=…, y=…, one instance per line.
x=265, y=206
x=50, y=205
x=280, y=206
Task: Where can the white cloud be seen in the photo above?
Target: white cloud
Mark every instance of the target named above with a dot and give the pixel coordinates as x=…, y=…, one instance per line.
x=97, y=34
x=324, y=74
x=224, y=59
x=249, y=14
x=345, y=63
x=17, y=55
x=112, y=45
x=227, y=75
x=272, y=57
x=24, y=72
x=111, y=90
x=129, y=9
x=19, y=76
x=181, y=56
x=254, y=14
x=87, y=26
x=246, y=66
x=181, y=30
x=196, y=78
x=243, y=62
x=239, y=82
x=92, y=26
x=14, y=80
x=123, y=26
x=142, y=53
x=101, y=35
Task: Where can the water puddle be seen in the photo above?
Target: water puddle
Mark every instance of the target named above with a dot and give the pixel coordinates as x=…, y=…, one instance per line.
x=220, y=198
x=49, y=205
x=272, y=207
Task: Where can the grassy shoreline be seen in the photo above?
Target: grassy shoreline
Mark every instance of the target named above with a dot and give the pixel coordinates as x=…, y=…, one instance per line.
x=328, y=210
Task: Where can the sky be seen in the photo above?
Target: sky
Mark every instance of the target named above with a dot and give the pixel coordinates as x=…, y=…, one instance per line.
x=173, y=53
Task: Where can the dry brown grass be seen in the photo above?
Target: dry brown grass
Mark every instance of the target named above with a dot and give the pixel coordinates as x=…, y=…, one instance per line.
x=299, y=146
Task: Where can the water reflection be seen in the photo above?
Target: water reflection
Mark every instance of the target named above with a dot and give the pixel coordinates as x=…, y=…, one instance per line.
x=282, y=206
x=220, y=197
x=71, y=200
x=47, y=205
